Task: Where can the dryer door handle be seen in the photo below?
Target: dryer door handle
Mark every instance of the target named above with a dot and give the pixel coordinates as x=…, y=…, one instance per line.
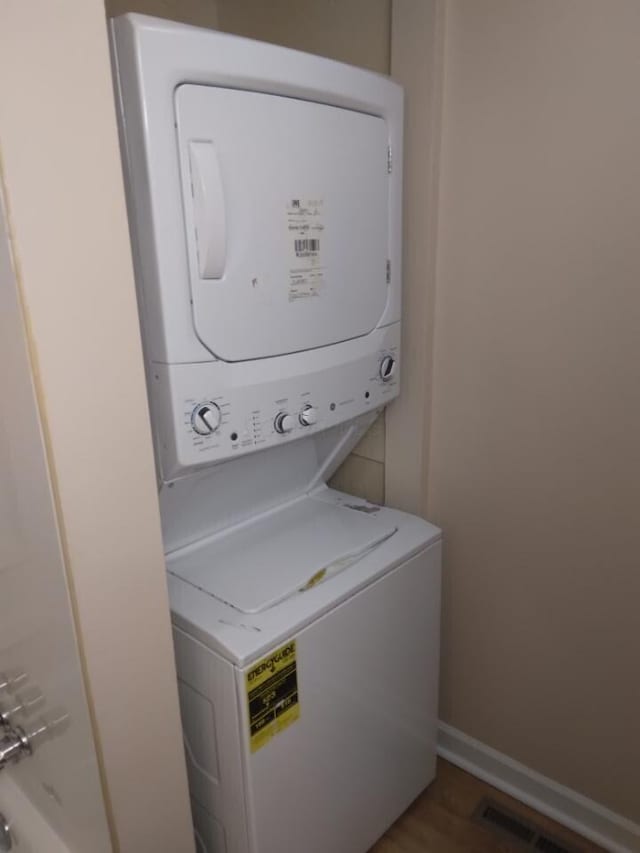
x=208, y=209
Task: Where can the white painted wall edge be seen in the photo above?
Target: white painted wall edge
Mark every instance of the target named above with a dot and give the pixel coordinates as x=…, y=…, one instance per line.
x=584, y=816
x=417, y=62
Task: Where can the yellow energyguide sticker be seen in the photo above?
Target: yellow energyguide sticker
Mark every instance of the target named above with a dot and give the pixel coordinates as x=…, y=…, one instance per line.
x=272, y=695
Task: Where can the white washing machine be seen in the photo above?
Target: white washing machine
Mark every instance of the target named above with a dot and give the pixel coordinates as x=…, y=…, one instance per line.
x=264, y=193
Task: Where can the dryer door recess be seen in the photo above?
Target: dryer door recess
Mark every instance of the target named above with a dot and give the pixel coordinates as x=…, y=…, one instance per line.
x=286, y=210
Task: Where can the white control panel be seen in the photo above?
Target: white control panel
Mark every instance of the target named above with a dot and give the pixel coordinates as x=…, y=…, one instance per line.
x=210, y=412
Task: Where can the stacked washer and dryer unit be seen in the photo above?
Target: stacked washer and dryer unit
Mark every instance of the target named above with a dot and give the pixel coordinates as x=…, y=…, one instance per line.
x=264, y=191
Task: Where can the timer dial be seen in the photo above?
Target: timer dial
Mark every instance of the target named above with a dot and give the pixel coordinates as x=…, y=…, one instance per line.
x=205, y=418
x=283, y=422
x=387, y=368
x=308, y=416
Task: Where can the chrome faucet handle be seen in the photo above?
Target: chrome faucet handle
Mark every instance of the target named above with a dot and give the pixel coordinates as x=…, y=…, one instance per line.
x=17, y=743
x=25, y=702
x=14, y=746
x=9, y=683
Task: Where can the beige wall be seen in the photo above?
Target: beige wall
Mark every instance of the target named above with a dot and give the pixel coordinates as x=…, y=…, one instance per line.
x=352, y=31
x=65, y=201
x=535, y=443
x=200, y=13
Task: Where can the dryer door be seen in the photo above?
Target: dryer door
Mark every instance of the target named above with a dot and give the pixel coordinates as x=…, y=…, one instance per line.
x=286, y=211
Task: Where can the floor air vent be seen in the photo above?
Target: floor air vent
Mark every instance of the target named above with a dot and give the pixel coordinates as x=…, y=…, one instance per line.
x=493, y=815
x=508, y=823
x=548, y=845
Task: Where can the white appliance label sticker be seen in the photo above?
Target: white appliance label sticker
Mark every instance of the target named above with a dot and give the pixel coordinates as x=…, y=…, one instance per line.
x=305, y=222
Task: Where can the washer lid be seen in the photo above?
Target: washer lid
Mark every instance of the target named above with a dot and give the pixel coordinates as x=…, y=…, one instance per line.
x=281, y=555
x=287, y=220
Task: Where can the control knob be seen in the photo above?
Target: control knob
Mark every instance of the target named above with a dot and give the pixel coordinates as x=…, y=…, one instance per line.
x=205, y=418
x=283, y=422
x=387, y=368
x=308, y=416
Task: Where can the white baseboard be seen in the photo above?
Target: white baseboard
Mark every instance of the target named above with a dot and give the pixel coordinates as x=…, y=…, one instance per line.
x=584, y=816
